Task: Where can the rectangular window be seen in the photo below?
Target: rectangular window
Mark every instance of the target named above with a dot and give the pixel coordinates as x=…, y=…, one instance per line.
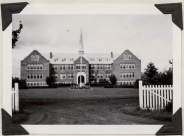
x=62, y=67
x=35, y=67
x=55, y=67
x=56, y=76
x=28, y=67
x=92, y=67
x=41, y=76
x=107, y=75
x=127, y=66
x=100, y=75
x=31, y=66
x=100, y=66
x=127, y=75
x=108, y=67
x=62, y=76
x=41, y=66
x=79, y=66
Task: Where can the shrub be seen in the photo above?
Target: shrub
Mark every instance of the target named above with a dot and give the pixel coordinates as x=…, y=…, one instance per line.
x=113, y=79
x=124, y=86
x=108, y=86
x=50, y=80
x=87, y=84
x=169, y=107
x=136, y=85
x=22, y=83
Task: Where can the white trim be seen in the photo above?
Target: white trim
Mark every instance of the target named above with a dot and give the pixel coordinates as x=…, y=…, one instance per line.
x=81, y=74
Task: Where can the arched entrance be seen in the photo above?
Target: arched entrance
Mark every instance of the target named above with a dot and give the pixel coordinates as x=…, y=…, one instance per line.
x=81, y=79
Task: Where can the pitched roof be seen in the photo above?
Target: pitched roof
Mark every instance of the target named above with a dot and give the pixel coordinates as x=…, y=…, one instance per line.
x=92, y=58
x=69, y=58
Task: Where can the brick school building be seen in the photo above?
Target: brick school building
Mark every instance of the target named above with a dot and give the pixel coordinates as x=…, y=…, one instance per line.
x=74, y=68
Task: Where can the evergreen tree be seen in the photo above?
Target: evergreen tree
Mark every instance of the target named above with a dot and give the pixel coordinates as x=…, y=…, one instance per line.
x=167, y=77
x=113, y=79
x=51, y=79
x=151, y=75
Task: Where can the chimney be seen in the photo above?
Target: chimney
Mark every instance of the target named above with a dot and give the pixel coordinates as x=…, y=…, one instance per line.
x=111, y=55
x=51, y=55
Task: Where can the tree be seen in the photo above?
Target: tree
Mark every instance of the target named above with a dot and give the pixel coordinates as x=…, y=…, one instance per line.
x=151, y=75
x=167, y=77
x=15, y=35
x=22, y=82
x=171, y=62
x=51, y=79
x=113, y=79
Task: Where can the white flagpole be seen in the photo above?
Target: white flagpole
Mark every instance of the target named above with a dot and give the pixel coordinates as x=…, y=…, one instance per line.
x=81, y=59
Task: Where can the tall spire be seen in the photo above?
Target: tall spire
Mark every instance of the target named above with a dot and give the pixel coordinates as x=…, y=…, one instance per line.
x=81, y=52
x=81, y=42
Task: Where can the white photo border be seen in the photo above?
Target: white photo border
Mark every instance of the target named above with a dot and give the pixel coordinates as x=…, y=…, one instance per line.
x=90, y=9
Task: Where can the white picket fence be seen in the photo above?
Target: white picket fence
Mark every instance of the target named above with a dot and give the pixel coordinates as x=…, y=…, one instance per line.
x=15, y=98
x=154, y=97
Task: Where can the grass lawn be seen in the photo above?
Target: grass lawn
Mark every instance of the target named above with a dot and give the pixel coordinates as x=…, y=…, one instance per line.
x=97, y=106
x=65, y=93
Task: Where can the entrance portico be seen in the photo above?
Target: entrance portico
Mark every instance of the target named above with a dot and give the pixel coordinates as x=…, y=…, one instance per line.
x=81, y=78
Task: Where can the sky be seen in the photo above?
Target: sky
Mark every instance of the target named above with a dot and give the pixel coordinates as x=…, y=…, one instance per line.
x=149, y=37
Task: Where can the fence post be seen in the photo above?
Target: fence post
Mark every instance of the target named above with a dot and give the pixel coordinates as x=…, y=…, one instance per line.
x=13, y=100
x=140, y=95
x=16, y=97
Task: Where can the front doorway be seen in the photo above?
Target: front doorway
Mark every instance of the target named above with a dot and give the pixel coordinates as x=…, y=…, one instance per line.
x=81, y=79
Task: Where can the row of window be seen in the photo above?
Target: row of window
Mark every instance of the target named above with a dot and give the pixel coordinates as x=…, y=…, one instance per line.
x=64, y=76
x=70, y=76
x=35, y=67
x=127, y=75
x=35, y=76
x=106, y=66
x=80, y=66
x=127, y=66
x=100, y=75
x=35, y=84
x=63, y=67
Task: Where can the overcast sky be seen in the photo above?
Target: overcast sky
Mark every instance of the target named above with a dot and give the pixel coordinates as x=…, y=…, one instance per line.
x=149, y=37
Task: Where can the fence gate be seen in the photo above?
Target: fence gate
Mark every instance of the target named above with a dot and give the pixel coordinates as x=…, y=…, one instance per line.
x=15, y=98
x=154, y=97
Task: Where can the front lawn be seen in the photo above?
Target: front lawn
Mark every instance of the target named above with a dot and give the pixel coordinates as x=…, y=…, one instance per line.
x=65, y=93
x=97, y=106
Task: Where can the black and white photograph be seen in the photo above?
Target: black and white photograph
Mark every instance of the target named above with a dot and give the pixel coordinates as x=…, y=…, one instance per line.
x=90, y=69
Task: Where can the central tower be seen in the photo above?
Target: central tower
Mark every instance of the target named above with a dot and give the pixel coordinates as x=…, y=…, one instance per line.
x=81, y=52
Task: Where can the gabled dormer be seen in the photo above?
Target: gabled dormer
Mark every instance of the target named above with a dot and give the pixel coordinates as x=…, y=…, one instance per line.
x=34, y=58
x=127, y=56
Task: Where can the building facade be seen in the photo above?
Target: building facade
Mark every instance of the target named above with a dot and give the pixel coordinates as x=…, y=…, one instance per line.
x=76, y=68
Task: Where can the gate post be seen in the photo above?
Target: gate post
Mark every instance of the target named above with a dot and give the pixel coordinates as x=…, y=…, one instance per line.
x=140, y=94
x=16, y=97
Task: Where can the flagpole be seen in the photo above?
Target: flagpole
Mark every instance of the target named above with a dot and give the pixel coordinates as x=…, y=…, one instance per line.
x=81, y=53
